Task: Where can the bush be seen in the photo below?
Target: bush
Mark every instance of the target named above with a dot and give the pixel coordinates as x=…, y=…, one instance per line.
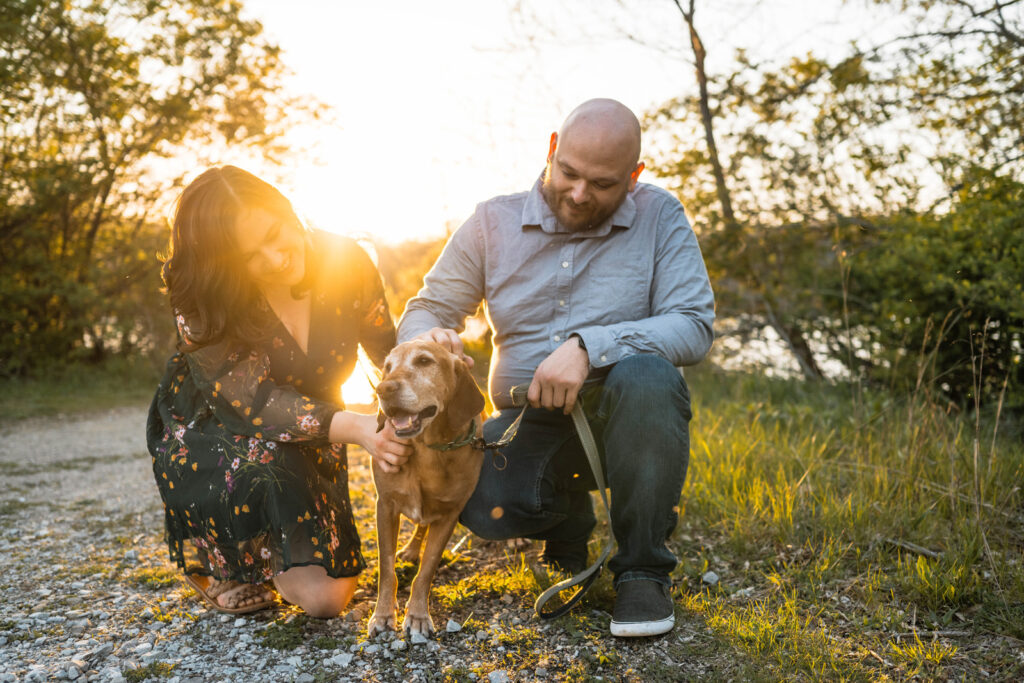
x=942, y=298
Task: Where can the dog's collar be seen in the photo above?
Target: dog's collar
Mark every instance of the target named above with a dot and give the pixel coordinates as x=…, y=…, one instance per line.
x=469, y=438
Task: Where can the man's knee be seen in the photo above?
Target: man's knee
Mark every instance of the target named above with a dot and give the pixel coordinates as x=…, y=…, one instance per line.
x=649, y=381
x=486, y=520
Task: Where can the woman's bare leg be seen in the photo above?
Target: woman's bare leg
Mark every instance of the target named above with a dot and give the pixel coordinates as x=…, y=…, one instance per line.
x=316, y=593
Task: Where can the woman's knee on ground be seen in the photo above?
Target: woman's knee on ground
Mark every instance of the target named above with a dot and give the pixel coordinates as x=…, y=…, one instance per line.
x=317, y=594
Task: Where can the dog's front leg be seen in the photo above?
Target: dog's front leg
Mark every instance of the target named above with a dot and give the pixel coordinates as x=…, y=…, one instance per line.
x=417, y=610
x=384, y=614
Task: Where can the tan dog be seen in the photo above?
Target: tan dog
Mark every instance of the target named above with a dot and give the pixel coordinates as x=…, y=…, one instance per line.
x=428, y=395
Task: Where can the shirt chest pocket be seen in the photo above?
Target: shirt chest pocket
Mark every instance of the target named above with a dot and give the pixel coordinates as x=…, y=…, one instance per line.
x=611, y=295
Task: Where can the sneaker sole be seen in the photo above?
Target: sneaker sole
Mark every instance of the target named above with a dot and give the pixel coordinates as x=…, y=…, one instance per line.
x=639, y=629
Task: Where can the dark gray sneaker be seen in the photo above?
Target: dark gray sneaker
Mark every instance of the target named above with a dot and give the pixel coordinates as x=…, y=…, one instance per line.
x=643, y=607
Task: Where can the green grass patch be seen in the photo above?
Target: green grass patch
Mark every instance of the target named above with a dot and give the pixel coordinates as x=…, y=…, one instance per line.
x=151, y=670
x=284, y=635
x=326, y=643
x=79, y=389
x=857, y=535
x=515, y=579
x=154, y=578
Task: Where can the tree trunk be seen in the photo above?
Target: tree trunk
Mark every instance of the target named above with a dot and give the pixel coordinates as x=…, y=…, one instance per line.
x=790, y=334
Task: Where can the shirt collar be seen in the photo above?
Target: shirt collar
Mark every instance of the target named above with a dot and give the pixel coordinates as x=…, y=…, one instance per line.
x=537, y=214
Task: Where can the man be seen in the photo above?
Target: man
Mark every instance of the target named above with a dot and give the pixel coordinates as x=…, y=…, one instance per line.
x=595, y=290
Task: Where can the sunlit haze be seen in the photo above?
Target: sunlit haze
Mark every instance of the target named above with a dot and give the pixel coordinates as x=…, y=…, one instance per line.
x=441, y=105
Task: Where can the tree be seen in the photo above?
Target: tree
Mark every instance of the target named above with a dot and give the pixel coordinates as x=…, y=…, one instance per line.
x=94, y=97
x=833, y=167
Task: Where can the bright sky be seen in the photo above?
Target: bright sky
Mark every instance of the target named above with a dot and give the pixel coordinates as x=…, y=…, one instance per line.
x=443, y=104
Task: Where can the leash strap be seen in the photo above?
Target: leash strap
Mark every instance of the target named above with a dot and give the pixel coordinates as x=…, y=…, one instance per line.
x=586, y=578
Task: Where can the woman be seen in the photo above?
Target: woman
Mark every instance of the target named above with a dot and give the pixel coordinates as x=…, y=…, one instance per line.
x=247, y=430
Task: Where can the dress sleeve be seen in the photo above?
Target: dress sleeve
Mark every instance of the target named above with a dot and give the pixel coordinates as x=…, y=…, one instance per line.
x=236, y=384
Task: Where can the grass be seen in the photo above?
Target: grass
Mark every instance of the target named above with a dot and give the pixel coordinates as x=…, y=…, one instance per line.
x=858, y=537
x=79, y=388
x=151, y=670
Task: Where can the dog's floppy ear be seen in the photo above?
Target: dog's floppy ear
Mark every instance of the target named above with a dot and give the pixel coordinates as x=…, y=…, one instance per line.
x=466, y=401
x=381, y=420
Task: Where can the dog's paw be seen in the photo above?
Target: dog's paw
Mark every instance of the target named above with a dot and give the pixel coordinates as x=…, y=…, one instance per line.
x=418, y=623
x=410, y=554
x=379, y=623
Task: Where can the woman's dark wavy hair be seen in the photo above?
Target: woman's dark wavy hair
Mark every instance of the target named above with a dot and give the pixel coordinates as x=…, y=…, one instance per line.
x=204, y=272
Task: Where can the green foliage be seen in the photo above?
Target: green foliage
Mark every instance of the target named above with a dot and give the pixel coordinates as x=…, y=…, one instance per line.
x=942, y=297
x=93, y=95
x=824, y=156
x=76, y=388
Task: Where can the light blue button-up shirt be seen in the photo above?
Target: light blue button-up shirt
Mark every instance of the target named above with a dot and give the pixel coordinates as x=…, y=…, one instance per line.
x=634, y=284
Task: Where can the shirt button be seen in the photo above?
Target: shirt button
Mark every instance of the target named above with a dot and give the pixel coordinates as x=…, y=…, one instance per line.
x=561, y=302
x=604, y=358
x=557, y=338
x=565, y=264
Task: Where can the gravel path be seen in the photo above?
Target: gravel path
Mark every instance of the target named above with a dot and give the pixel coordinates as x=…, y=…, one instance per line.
x=87, y=593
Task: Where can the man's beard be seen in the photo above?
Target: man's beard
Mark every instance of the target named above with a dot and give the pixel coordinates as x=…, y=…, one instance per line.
x=596, y=217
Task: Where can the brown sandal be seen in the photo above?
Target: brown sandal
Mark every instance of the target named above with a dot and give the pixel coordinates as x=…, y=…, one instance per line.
x=209, y=588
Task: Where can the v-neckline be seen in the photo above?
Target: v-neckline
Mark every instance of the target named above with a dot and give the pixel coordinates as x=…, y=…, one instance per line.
x=290, y=334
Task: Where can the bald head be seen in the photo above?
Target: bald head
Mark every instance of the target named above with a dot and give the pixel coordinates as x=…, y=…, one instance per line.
x=593, y=163
x=606, y=125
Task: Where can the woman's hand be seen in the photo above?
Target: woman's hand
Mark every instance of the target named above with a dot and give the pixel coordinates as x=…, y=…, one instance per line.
x=388, y=451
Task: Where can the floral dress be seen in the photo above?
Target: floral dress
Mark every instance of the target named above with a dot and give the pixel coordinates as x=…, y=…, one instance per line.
x=239, y=435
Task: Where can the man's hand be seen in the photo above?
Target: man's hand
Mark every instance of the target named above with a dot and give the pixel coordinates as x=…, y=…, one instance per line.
x=449, y=339
x=559, y=377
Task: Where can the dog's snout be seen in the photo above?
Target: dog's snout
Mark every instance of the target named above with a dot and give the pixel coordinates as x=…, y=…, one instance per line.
x=388, y=388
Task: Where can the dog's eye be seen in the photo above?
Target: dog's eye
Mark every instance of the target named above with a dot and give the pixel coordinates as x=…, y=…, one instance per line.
x=387, y=367
x=423, y=361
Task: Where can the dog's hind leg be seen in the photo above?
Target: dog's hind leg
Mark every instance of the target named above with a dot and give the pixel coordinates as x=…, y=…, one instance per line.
x=411, y=551
x=417, y=610
x=384, y=614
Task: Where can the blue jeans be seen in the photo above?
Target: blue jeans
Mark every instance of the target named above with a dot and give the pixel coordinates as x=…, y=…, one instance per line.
x=640, y=416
